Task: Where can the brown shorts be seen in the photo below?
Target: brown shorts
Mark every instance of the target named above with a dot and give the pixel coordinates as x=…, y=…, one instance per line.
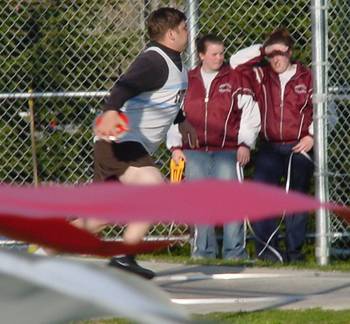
x=112, y=159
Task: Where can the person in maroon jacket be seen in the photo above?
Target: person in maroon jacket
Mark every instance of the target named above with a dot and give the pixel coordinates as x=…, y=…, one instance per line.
x=283, y=89
x=219, y=104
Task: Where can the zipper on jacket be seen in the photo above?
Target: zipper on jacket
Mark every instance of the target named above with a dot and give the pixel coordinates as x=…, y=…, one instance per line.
x=282, y=93
x=206, y=100
x=208, y=93
x=281, y=122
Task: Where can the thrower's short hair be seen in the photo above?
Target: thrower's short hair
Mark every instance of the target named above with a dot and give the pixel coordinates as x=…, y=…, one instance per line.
x=163, y=19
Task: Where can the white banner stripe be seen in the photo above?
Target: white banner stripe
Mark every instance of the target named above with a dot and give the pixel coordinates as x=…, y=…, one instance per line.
x=221, y=276
x=238, y=300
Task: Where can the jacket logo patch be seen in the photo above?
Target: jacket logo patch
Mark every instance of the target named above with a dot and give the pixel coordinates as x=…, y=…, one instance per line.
x=300, y=88
x=225, y=87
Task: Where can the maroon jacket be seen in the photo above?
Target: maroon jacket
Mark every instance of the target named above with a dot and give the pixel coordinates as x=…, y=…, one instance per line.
x=216, y=118
x=287, y=119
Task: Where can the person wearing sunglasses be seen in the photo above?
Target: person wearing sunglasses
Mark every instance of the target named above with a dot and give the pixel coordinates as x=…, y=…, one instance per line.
x=283, y=88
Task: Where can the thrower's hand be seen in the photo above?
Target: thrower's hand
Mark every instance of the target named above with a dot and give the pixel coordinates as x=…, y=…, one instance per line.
x=110, y=124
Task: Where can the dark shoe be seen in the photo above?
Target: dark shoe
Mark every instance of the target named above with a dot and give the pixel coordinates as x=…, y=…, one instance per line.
x=128, y=263
x=295, y=257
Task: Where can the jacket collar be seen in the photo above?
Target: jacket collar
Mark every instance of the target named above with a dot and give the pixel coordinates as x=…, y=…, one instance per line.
x=301, y=69
x=196, y=72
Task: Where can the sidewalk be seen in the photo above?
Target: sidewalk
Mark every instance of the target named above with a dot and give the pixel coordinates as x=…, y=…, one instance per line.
x=205, y=289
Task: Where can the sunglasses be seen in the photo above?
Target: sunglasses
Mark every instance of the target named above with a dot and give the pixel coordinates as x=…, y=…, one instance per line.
x=276, y=53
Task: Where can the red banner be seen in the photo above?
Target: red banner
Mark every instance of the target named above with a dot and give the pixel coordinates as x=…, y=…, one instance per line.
x=38, y=214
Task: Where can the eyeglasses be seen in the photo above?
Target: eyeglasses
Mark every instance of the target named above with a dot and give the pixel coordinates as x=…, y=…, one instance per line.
x=276, y=53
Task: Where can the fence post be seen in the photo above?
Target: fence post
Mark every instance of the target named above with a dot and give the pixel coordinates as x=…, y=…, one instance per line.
x=319, y=68
x=192, y=13
x=33, y=141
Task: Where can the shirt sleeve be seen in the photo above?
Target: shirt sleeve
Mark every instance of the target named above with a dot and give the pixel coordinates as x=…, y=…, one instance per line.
x=148, y=72
x=247, y=56
x=173, y=137
x=250, y=122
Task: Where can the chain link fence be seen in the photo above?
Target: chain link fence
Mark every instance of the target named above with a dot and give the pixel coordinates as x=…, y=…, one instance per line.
x=339, y=119
x=69, y=53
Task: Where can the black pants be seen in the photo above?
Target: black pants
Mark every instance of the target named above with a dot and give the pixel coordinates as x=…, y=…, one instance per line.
x=271, y=166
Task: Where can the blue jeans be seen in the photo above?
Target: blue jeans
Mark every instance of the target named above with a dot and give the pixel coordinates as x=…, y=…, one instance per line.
x=271, y=166
x=219, y=165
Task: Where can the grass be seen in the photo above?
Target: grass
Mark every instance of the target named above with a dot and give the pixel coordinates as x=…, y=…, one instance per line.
x=343, y=266
x=279, y=316
x=310, y=316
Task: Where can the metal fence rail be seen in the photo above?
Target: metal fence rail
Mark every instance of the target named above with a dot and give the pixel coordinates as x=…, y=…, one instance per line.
x=69, y=53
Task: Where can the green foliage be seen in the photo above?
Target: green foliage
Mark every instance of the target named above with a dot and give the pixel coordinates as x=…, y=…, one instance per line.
x=59, y=46
x=15, y=157
x=243, y=23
